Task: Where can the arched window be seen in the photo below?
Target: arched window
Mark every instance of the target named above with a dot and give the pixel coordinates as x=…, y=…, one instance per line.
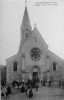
x=54, y=66
x=26, y=35
x=15, y=66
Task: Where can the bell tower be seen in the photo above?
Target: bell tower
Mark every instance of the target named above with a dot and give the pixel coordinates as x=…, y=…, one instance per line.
x=25, y=29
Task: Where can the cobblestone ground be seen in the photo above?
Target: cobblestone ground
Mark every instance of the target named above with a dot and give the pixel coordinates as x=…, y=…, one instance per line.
x=44, y=93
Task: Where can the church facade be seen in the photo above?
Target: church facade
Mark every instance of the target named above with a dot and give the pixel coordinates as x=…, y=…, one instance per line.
x=33, y=59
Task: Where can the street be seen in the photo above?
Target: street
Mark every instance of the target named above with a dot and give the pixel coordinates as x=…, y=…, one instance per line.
x=44, y=93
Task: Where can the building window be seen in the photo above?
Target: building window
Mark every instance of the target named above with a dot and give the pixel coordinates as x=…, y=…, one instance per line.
x=26, y=35
x=15, y=66
x=26, y=32
x=54, y=66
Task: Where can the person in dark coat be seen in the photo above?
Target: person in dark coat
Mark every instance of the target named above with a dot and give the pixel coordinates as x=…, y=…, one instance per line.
x=18, y=84
x=44, y=82
x=13, y=83
x=7, y=95
x=30, y=93
x=63, y=84
x=26, y=89
x=9, y=90
x=22, y=89
x=49, y=82
x=36, y=86
x=41, y=82
x=60, y=83
x=2, y=94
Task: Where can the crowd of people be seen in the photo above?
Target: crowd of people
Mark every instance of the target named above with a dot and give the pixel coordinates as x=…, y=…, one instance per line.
x=24, y=87
x=27, y=87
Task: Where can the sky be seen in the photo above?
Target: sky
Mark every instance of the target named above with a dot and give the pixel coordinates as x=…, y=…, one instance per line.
x=49, y=20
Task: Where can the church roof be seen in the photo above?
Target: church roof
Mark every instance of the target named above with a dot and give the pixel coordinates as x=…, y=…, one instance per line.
x=56, y=57
x=26, y=20
x=35, y=31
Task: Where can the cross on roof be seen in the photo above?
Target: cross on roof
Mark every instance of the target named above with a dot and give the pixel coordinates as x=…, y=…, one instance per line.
x=25, y=2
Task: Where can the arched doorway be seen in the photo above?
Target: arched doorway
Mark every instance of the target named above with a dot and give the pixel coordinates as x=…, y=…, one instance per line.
x=35, y=72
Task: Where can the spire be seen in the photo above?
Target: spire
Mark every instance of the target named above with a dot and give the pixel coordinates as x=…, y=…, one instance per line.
x=25, y=29
x=26, y=20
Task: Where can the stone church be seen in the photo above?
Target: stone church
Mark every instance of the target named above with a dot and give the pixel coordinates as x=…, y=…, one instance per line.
x=33, y=59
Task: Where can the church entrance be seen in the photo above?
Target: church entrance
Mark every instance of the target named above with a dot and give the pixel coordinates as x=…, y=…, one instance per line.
x=35, y=78
x=35, y=75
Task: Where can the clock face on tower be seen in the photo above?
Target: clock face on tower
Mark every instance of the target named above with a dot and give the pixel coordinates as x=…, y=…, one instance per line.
x=35, y=53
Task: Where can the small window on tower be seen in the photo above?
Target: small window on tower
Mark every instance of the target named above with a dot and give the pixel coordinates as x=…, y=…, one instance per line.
x=26, y=31
x=15, y=66
x=54, y=66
